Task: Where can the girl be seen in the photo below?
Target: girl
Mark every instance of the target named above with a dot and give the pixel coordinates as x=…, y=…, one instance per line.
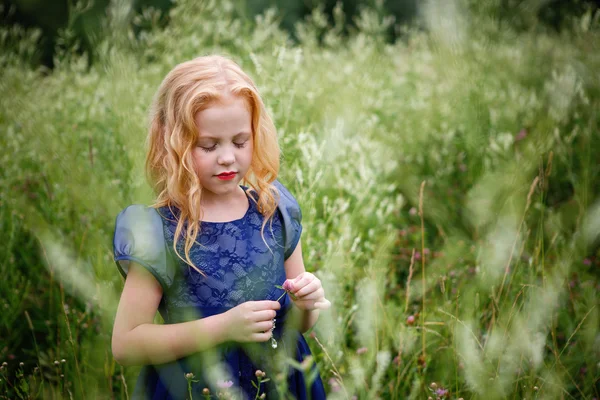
x=211, y=255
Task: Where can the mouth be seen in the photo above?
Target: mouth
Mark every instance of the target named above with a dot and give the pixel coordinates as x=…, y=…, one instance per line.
x=227, y=175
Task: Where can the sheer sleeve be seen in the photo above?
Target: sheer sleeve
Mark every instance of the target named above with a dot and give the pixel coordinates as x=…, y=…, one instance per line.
x=291, y=218
x=139, y=237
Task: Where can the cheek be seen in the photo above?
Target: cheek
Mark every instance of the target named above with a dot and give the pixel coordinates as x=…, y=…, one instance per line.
x=200, y=159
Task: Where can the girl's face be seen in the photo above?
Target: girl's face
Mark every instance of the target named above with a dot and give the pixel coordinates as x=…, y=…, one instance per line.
x=223, y=150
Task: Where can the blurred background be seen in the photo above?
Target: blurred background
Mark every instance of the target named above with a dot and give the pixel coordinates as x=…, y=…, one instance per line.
x=444, y=153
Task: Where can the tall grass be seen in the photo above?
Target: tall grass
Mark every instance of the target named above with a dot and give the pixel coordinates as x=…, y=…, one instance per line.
x=448, y=182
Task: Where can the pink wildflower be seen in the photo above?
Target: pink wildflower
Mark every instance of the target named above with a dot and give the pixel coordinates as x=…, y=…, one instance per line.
x=224, y=384
x=362, y=350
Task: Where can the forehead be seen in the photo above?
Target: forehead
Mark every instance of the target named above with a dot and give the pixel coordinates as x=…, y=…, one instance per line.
x=227, y=117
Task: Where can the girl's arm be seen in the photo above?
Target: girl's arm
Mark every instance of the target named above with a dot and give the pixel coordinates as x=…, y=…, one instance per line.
x=136, y=340
x=294, y=266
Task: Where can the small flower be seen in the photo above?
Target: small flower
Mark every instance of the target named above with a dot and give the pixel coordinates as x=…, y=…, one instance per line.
x=587, y=261
x=206, y=392
x=433, y=385
x=263, y=396
x=410, y=320
x=21, y=364
x=4, y=364
x=335, y=386
x=521, y=135
x=441, y=392
x=362, y=350
x=56, y=362
x=189, y=376
x=63, y=361
x=224, y=384
x=258, y=373
x=535, y=388
x=412, y=211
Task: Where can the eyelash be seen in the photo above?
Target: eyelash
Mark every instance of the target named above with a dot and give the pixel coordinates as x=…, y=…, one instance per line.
x=209, y=149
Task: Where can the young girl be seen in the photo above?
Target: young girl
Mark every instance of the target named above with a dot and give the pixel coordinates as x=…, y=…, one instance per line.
x=210, y=254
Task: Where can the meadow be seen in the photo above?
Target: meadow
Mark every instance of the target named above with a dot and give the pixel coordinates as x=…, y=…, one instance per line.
x=449, y=183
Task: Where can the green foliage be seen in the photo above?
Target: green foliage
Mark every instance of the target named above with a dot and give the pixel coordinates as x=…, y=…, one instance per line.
x=500, y=123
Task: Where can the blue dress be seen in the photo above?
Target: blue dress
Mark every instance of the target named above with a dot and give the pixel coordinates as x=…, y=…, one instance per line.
x=239, y=267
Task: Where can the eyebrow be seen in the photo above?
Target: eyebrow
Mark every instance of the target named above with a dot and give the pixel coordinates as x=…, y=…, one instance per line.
x=235, y=136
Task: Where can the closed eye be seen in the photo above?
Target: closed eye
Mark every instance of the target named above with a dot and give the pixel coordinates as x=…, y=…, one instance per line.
x=208, y=149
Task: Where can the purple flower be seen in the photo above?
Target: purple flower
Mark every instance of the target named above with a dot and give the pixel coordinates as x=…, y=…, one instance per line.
x=362, y=350
x=224, y=384
x=521, y=135
x=587, y=261
x=441, y=392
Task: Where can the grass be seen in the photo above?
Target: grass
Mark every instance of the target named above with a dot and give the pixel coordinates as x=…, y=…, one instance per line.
x=463, y=155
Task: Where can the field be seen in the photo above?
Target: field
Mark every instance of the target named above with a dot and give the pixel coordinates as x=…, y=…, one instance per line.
x=449, y=183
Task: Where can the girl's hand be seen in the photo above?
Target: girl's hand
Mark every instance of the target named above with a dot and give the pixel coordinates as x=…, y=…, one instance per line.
x=308, y=292
x=251, y=321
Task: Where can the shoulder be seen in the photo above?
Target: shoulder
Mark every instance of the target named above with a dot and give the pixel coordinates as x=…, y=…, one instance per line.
x=140, y=224
x=287, y=202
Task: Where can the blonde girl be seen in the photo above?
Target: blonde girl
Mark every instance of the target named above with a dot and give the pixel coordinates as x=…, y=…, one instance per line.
x=214, y=251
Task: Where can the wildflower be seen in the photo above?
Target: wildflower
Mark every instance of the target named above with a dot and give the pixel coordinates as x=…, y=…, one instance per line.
x=410, y=320
x=362, y=350
x=536, y=388
x=412, y=211
x=56, y=362
x=521, y=135
x=258, y=373
x=21, y=364
x=433, y=385
x=441, y=392
x=206, y=392
x=189, y=375
x=335, y=386
x=224, y=384
x=4, y=364
x=63, y=361
x=587, y=261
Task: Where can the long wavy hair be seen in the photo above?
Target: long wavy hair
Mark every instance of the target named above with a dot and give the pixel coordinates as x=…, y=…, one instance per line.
x=191, y=87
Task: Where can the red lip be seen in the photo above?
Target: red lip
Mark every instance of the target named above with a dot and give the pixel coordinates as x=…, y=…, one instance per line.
x=227, y=173
x=227, y=176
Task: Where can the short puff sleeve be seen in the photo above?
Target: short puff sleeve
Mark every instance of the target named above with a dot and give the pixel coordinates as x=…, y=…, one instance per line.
x=291, y=218
x=139, y=237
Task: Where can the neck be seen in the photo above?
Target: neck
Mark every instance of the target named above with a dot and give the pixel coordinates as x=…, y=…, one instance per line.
x=209, y=200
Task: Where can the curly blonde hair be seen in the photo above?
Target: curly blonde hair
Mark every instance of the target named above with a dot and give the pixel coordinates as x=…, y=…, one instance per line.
x=190, y=87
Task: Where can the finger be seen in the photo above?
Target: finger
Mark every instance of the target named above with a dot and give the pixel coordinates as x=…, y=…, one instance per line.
x=305, y=304
x=316, y=295
x=264, y=315
x=267, y=305
x=261, y=337
x=301, y=281
x=311, y=287
x=322, y=304
x=263, y=326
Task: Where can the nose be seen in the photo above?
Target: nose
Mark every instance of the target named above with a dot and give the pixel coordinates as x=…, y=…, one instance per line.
x=226, y=156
